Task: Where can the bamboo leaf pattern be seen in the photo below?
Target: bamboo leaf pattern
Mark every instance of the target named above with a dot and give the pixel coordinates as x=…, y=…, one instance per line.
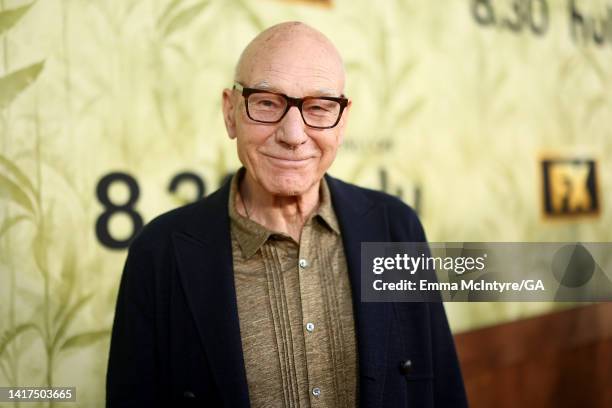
x=68, y=280
x=165, y=15
x=85, y=339
x=252, y=16
x=8, y=18
x=412, y=109
x=10, y=223
x=183, y=18
x=13, y=84
x=68, y=319
x=11, y=335
x=11, y=191
x=16, y=172
x=40, y=254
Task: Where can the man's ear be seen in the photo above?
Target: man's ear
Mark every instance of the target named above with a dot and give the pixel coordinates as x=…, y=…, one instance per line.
x=343, y=120
x=228, y=113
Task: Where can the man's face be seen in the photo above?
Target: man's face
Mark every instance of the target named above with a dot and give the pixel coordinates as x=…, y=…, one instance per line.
x=289, y=157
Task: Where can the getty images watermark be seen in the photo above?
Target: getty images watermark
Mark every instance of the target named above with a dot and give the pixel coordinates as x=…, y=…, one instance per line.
x=485, y=271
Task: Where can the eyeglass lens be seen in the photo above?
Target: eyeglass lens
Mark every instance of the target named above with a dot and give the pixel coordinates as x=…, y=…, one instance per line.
x=268, y=107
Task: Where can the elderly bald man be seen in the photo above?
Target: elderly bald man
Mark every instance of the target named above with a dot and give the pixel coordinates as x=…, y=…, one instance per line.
x=251, y=296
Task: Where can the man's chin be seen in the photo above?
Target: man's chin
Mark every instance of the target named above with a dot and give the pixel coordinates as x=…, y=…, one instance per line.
x=289, y=187
x=288, y=191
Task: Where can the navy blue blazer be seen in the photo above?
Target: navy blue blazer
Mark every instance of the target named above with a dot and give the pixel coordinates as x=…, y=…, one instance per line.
x=176, y=336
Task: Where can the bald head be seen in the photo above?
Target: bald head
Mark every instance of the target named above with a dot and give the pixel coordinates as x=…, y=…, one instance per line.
x=287, y=157
x=289, y=43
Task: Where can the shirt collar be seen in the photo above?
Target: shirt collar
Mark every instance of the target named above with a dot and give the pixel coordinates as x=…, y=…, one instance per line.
x=326, y=209
x=251, y=235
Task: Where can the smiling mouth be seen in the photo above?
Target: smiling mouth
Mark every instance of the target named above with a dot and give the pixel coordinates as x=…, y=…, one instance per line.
x=288, y=160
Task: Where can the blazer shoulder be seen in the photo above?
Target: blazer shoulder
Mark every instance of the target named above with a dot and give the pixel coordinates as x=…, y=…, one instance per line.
x=190, y=219
x=404, y=223
x=375, y=197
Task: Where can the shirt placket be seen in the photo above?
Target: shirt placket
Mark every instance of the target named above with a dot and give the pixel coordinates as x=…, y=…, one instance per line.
x=321, y=392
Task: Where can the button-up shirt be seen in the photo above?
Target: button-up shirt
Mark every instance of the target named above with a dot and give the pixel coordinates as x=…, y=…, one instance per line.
x=295, y=310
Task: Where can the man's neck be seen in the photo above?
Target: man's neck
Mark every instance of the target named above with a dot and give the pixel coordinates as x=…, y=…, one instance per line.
x=286, y=214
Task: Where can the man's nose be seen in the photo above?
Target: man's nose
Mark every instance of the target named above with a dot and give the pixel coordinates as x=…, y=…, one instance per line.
x=291, y=129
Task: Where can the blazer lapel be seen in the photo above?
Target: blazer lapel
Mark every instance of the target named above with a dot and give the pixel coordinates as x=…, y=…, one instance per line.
x=361, y=220
x=204, y=259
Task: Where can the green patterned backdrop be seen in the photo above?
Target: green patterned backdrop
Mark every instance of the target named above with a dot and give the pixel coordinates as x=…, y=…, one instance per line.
x=455, y=104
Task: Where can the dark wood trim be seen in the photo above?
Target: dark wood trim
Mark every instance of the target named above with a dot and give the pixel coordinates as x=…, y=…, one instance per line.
x=561, y=359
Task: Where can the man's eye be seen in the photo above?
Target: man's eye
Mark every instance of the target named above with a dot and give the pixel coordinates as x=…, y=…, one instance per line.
x=267, y=103
x=321, y=108
x=318, y=108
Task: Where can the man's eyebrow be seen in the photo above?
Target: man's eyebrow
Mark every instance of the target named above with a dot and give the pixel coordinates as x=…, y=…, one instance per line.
x=326, y=92
x=265, y=85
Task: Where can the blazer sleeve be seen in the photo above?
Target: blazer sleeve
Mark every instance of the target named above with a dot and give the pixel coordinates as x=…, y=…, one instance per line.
x=131, y=373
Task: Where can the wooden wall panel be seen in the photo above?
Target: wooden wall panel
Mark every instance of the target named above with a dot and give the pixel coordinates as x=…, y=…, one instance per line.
x=562, y=359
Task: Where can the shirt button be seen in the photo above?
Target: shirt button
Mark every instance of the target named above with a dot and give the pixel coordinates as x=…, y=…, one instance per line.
x=303, y=263
x=406, y=367
x=310, y=327
x=316, y=391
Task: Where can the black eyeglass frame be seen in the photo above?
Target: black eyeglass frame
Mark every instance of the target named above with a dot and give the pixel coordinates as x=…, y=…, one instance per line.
x=297, y=102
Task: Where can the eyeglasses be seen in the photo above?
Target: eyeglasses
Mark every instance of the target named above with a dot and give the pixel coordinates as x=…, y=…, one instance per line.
x=319, y=112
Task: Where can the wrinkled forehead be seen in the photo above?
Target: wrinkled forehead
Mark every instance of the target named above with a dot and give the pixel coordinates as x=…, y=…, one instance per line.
x=297, y=65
